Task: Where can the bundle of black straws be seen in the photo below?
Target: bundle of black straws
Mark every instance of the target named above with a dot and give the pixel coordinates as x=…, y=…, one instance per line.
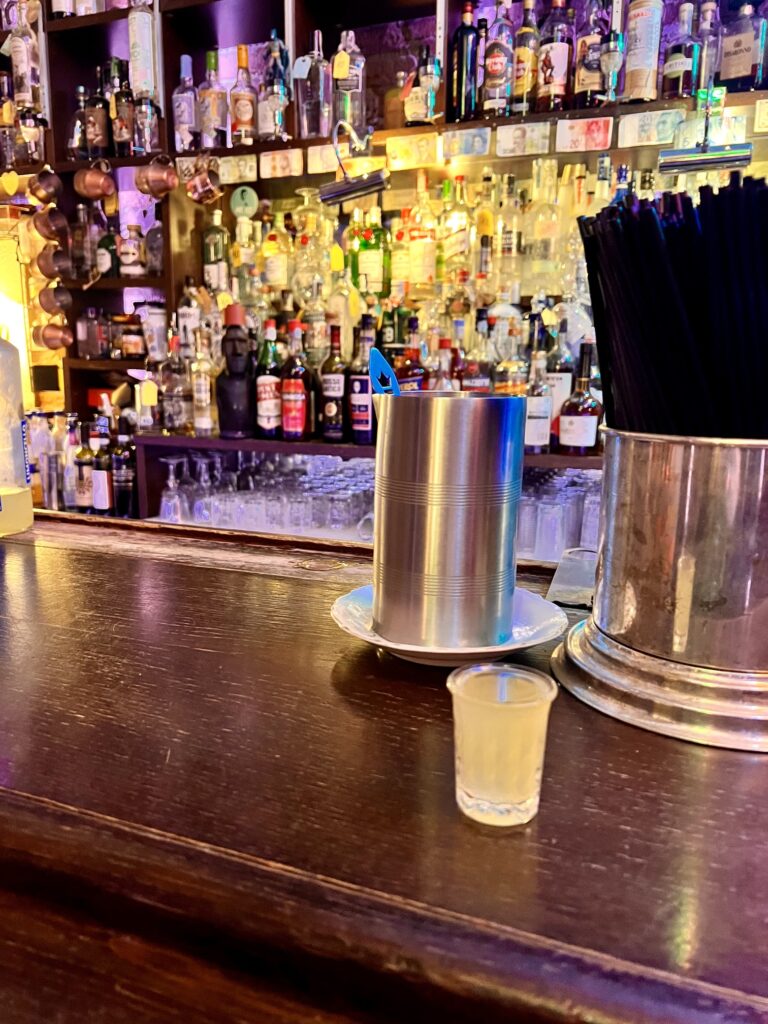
x=680, y=304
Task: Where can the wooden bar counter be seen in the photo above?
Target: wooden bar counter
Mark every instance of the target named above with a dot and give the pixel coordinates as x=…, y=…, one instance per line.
x=215, y=806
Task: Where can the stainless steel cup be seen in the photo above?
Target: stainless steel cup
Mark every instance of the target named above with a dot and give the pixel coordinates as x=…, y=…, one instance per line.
x=448, y=478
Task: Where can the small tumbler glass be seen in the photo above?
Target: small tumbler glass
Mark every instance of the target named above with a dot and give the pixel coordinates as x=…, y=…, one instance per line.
x=500, y=715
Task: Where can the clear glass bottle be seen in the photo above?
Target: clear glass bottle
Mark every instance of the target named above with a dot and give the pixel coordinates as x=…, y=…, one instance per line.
x=83, y=256
x=538, y=407
x=188, y=319
x=555, y=58
x=15, y=491
x=710, y=36
x=243, y=101
x=422, y=242
x=202, y=374
x=527, y=40
x=484, y=235
x=25, y=62
x=742, y=67
x=344, y=306
x=680, y=73
x=457, y=229
x=147, y=126
x=349, y=84
x=274, y=92
x=213, y=109
x=499, y=78
x=216, y=254
x=277, y=256
x=97, y=123
x=314, y=92
x=123, y=114
x=508, y=242
x=186, y=125
x=541, y=231
x=478, y=369
x=373, y=257
x=133, y=254
x=77, y=139
x=588, y=81
x=176, y=392
x=141, y=42
x=505, y=327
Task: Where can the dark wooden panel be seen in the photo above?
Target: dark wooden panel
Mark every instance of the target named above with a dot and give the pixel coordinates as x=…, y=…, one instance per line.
x=227, y=754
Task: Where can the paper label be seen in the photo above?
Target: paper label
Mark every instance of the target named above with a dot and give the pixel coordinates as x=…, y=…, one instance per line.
x=333, y=385
x=268, y=401
x=738, y=53
x=498, y=65
x=526, y=71
x=102, y=489
x=83, y=486
x=554, y=59
x=423, y=256
x=276, y=270
x=560, y=385
x=201, y=389
x=677, y=66
x=538, y=413
x=588, y=76
x=301, y=66
x=360, y=404
x=294, y=408
x=578, y=431
x=370, y=263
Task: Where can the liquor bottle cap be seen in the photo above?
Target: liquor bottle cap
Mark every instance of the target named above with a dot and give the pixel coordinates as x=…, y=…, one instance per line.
x=234, y=315
x=444, y=343
x=366, y=321
x=413, y=323
x=270, y=323
x=294, y=325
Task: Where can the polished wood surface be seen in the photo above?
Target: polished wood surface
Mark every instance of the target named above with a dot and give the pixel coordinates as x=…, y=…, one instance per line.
x=198, y=745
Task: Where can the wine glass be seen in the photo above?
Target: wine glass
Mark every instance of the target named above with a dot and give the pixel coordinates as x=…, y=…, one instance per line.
x=173, y=502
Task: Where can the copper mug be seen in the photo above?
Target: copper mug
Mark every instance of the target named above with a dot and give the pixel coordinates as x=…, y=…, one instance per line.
x=46, y=186
x=95, y=182
x=55, y=299
x=52, y=336
x=157, y=178
x=203, y=186
x=53, y=262
x=50, y=224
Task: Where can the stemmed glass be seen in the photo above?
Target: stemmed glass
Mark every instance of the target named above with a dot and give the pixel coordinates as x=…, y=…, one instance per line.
x=173, y=502
x=201, y=509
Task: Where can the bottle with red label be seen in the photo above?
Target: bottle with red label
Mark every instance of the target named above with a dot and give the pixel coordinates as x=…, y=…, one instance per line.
x=268, y=410
x=333, y=381
x=362, y=422
x=411, y=374
x=297, y=389
x=555, y=59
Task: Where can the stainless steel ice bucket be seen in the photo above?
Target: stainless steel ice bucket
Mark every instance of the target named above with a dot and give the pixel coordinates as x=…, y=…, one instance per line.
x=448, y=478
x=678, y=639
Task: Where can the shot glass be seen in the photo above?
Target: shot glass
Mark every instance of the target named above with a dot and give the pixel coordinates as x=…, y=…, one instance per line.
x=500, y=715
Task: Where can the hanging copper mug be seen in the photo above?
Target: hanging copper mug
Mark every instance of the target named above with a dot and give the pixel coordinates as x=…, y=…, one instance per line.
x=203, y=186
x=50, y=224
x=157, y=178
x=53, y=262
x=55, y=299
x=95, y=182
x=52, y=336
x=46, y=186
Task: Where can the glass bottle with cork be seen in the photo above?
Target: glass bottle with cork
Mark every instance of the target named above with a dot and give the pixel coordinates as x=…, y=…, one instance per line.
x=555, y=57
x=581, y=413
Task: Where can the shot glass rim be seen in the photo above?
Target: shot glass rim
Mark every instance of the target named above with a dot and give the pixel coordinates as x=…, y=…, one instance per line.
x=546, y=693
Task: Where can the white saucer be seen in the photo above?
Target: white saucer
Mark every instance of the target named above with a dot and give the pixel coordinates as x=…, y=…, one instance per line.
x=535, y=621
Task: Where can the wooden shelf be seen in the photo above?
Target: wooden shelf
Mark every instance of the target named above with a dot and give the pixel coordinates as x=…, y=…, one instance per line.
x=74, y=24
x=107, y=284
x=101, y=365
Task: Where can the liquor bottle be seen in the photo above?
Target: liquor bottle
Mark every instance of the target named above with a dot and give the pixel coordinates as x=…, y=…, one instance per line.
x=216, y=255
x=442, y=379
x=541, y=232
x=123, y=114
x=315, y=326
x=108, y=250
x=276, y=253
x=186, y=126
x=62, y=9
x=133, y=253
x=146, y=125
x=124, y=471
x=101, y=474
x=235, y=386
x=526, y=70
x=344, y=304
x=559, y=373
x=83, y=256
x=314, y=91
x=361, y=419
x=742, y=67
x=482, y=40
x=399, y=260
x=141, y=43
x=710, y=36
x=333, y=380
x=25, y=64
x=462, y=69
x=213, y=110
x=410, y=373
x=681, y=58
x=268, y=412
x=499, y=78
x=555, y=57
x=68, y=470
x=176, y=392
x=296, y=389
x=422, y=242
x=373, y=263
x=348, y=70
x=483, y=230
x=242, y=102
x=581, y=413
x=538, y=407
x=77, y=137
x=84, y=471
x=508, y=241
x=201, y=372
x=588, y=81
x=97, y=125
x=457, y=229
x=505, y=325
x=478, y=368
x=188, y=315
x=274, y=91
x=643, y=38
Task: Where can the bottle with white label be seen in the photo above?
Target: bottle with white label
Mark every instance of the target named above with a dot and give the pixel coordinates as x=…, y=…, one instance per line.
x=348, y=71
x=186, y=123
x=268, y=411
x=62, y=9
x=333, y=380
x=422, y=242
x=277, y=256
x=581, y=413
x=216, y=255
x=25, y=62
x=538, y=407
x=743, y=62
x=643, y=39
x=555, y=58
x=202, y=373
x=681, y=58
x=559, y=374
x=457, y=226
x=373, y=257
x=101, y=476
x=141, y=43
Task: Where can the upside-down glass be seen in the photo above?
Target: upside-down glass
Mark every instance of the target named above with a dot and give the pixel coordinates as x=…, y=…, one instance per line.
x=500, y=715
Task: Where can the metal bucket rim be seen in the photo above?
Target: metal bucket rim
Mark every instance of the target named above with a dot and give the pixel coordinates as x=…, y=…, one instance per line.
x=484, y=395
x=712, y=442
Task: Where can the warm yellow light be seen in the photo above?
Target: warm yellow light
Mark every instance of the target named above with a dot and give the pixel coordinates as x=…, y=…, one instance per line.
x=12, y=318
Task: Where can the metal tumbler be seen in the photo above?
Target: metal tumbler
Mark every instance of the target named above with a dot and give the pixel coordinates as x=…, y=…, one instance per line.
x=448, y=479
